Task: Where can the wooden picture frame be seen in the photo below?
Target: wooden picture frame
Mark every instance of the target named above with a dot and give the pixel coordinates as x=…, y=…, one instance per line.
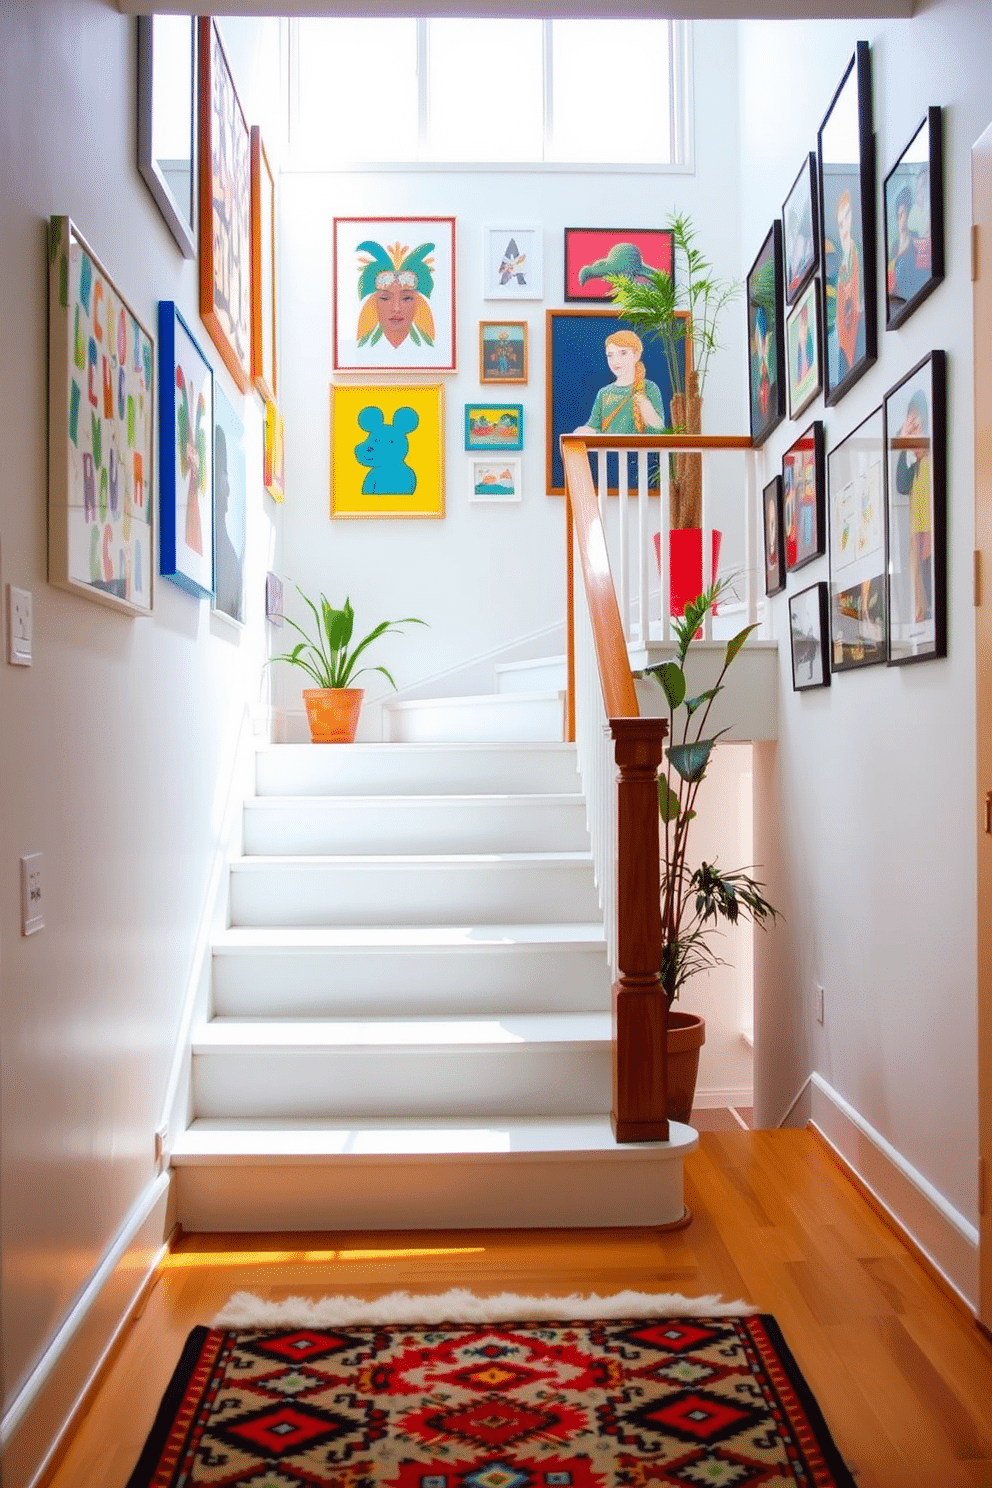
x=503, y=351
x=393, y=294
x=766, y=337
x=387, y=450
x=577, y=372
x=513, y=263
x=186, y=456
x=167, y=54
x=495, y=479
x=802, y=349
x=264, y=318
x=915, y=416
x=808, y=638
x=800, y=230
x=101, y=427
x=846, y=187
x=591, y=252
x=230, y=511
x=803, y=498
x=494, y=426
x=225, y=208
x=774, y=536
x=913, y=218
x=856, y=478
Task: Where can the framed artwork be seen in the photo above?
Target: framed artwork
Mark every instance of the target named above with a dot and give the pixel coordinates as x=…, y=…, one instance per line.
x=766, y=337
x=593, y=252
x=230, y=510
x=225, y=208
x=771, y=501
x=502, y=351
x=186, y=456
x=393, y=281
x=263, y=269
x=846, y=182
x=916, y=462
x=585, y=391
x=274, y=452
x=514, y=267
x=101, y=417
x=490, y=426
x=492, y=479
x=803, y=479
x=913, y=205
x=799, y=229
x=808, y=631
x=387, y=451
x=802, y=349
x=167, y=121
x=856, y=477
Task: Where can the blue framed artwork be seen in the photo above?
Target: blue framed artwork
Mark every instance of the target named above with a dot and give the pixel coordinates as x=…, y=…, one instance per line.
x=579, y=370
x=230, y=510
x=494, y=426
x=186, y=456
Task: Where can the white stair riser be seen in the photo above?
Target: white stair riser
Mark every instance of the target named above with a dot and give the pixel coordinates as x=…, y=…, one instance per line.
x=448, y=825
x=549, y=675
x=432, y=892
x=416, y=769
x=506, y=717
x=349, y=1083
x=306, y=983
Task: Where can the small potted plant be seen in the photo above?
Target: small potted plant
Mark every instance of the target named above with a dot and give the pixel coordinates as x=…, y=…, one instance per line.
x=326, y=655
x=693, y=899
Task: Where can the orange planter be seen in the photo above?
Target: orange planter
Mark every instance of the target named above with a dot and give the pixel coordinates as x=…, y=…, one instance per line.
x=686, y=1036
x=333, y=713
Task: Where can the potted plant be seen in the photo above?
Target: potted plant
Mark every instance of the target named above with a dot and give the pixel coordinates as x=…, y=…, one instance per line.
x=693, y=898
x=325, y=653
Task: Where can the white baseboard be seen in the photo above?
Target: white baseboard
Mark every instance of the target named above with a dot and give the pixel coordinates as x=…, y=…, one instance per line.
x=34, y=1425
x=712, y=1098
x=946, y=1238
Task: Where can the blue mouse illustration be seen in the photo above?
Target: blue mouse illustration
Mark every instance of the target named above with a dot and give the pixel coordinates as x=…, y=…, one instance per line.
x=385, y=451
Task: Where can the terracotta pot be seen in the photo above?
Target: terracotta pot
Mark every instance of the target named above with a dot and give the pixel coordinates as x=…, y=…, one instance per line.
x=332, y=713
x=686, y=1036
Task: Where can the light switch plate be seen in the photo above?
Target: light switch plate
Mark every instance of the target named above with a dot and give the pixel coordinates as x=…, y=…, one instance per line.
x=18, y=626
x=32, y=897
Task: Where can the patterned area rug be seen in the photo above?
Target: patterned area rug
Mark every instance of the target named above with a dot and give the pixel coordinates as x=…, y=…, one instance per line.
x=676, y=1402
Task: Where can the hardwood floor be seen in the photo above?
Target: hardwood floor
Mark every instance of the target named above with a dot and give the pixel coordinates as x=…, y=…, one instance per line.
x=903, y=1376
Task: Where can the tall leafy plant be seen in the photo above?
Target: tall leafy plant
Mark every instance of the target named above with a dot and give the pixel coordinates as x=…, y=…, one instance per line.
x=326, y=653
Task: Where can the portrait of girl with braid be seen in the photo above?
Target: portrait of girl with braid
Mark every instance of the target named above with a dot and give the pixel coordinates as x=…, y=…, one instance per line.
x=631, y=404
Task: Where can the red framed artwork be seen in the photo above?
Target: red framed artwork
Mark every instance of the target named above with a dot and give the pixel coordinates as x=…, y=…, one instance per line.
x=593, y=252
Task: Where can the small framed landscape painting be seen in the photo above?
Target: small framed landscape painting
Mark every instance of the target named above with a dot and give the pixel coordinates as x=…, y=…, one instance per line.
x=502, y=351
x=186, y=456
x=856, y=472
x=766, y=337
x=915, y=452
x=799, y=220
x=774, y=537
x=808, y=632
x=490, y=426
x=592, y=253
x=393, y=282
x=513, y=263
x=802, y=350
x=914, y=222
x=803, y=478
x=492, y=479
x=387, y=451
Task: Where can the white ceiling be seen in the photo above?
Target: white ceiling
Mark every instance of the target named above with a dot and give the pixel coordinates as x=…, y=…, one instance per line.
x=691, y=9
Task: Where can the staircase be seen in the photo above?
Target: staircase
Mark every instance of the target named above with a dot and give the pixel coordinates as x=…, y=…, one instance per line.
x=409, y=1020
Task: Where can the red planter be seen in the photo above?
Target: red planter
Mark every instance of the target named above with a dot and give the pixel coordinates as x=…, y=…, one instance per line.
x=685, y=558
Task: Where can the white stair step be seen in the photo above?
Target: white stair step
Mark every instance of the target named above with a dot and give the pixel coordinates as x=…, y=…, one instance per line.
x=415, y=769
x=413, y=890
x=543, y=674
x=398, y=824
x=493, y=716
x=517, y=1064
x=450, y=1174
x=346, y=971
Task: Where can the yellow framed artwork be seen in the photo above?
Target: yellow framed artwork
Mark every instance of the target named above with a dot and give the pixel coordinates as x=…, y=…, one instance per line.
x=274, y=452
x=387, y=451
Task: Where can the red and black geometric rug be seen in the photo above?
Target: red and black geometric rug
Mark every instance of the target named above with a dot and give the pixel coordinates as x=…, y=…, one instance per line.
x=674, y=1402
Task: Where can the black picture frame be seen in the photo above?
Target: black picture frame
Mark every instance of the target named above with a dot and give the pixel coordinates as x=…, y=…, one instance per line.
x=766, y=337
x=803, y=350
x=800, y=230
x=917, y=513
x=808, y=638
x=771, y=505
x=848, y=257
x=856, y=482
x=803, y=498
x=913, y=222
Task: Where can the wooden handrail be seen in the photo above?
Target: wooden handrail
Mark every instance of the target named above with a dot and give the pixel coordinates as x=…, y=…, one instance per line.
x=663, y=441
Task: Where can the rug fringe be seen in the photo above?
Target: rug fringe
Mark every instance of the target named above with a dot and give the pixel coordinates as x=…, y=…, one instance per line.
x=245, y=1310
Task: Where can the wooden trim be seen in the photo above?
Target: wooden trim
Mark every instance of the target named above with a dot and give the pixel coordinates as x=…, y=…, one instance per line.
x=569, y=624
x=664, y=441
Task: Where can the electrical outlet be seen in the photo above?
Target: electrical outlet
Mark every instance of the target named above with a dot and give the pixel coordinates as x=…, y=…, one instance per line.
x=18, y=626
x=161, y=1145
x=818, y=1002
x=32, y=896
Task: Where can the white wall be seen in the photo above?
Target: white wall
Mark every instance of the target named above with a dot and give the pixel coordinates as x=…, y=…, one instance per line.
x=874, y=783
x=116, y=745
x=484, y=577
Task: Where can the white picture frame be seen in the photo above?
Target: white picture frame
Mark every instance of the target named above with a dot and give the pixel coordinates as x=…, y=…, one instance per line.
x=495, y=479
x=513, y=263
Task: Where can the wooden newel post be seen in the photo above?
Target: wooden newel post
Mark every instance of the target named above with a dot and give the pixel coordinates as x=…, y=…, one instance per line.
x=640, y=1011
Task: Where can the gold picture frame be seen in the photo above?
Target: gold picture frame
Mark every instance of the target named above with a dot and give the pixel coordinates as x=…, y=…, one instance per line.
x=387, y=450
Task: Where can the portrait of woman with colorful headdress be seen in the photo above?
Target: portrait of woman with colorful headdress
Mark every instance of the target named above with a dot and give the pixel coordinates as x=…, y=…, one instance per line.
x=394, y=285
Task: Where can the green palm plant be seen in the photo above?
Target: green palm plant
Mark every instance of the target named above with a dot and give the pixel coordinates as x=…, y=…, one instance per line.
x=326, y=653
x=694, y=900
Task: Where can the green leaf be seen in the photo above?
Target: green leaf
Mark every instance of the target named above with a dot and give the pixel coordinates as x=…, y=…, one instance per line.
x=671, y=678
x=704, y=697
x=734, y=645
x=338, y=624
x=668, y=801
x=690, y=760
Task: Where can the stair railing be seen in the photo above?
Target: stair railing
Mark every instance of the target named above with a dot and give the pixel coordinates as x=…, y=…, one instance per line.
x=619, y=752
